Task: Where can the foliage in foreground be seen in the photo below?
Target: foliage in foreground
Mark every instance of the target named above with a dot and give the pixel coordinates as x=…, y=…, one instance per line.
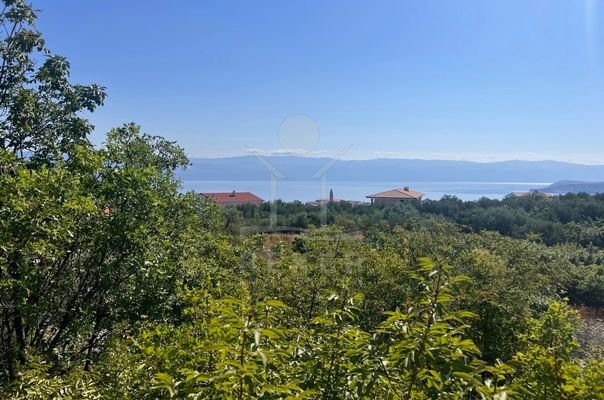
x=233, y=349
x=113, y=284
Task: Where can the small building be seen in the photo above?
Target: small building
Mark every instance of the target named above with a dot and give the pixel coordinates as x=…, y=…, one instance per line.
x=331, y=200
x=395, y=196
x=233, y=198
x=322, y=202
x=533, y=193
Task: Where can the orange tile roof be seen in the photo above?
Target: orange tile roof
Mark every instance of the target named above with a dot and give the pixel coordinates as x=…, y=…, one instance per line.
x=400, y=193
x=233, y=197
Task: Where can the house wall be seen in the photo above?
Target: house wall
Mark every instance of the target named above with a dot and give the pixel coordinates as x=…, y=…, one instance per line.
x=390, y=202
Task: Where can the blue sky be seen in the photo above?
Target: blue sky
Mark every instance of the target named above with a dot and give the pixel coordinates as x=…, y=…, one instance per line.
x=465, y=79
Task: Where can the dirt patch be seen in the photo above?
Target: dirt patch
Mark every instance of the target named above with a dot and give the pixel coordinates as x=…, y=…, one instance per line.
x=591, y=332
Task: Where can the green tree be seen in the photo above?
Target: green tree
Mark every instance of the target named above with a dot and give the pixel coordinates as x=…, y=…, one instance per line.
x=547, y=367
x=91, y=241
x=39, y=108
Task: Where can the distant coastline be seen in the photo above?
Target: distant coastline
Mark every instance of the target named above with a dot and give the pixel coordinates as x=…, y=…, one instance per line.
x=297, y=177
x=304, y=191
x=566, y=186
x=291, y=168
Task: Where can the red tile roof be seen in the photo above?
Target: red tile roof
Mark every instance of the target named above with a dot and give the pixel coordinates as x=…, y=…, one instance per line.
x=401, y=193
x=233, y=197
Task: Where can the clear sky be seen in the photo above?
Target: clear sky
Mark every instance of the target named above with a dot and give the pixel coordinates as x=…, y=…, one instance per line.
x=464, y=79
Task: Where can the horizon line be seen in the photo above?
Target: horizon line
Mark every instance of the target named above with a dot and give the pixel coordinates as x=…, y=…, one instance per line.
x=475, y=161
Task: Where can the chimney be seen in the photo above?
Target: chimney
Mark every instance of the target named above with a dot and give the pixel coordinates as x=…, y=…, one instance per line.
x=406, y=188
x=232, y=194
x=331, y=195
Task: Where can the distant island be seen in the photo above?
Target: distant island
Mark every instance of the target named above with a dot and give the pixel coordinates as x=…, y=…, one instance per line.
x=566, y=186
x=293, y=168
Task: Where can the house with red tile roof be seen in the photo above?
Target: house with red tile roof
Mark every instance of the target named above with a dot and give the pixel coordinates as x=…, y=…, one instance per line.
x=395, y=196
x=233, y=198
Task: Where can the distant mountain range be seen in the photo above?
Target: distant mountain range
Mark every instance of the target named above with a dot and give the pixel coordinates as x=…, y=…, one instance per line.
x=251, y=168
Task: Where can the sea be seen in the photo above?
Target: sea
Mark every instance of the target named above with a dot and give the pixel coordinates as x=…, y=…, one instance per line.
x=304, y=191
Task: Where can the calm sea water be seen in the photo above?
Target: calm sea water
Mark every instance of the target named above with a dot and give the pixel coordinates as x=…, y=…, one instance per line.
x=351, y=190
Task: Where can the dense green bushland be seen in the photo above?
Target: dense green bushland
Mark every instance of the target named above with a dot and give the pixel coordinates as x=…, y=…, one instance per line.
x=115, y=285
x=571, y=239
x=570, y=218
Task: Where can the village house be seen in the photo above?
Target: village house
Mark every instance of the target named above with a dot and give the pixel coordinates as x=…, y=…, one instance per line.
x=331, y=200
x=395, y=196
x=533, y=193
x=233, y=198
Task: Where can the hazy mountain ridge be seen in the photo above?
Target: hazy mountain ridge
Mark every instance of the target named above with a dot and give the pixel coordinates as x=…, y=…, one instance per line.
x=567, y=186
x=250, y=168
